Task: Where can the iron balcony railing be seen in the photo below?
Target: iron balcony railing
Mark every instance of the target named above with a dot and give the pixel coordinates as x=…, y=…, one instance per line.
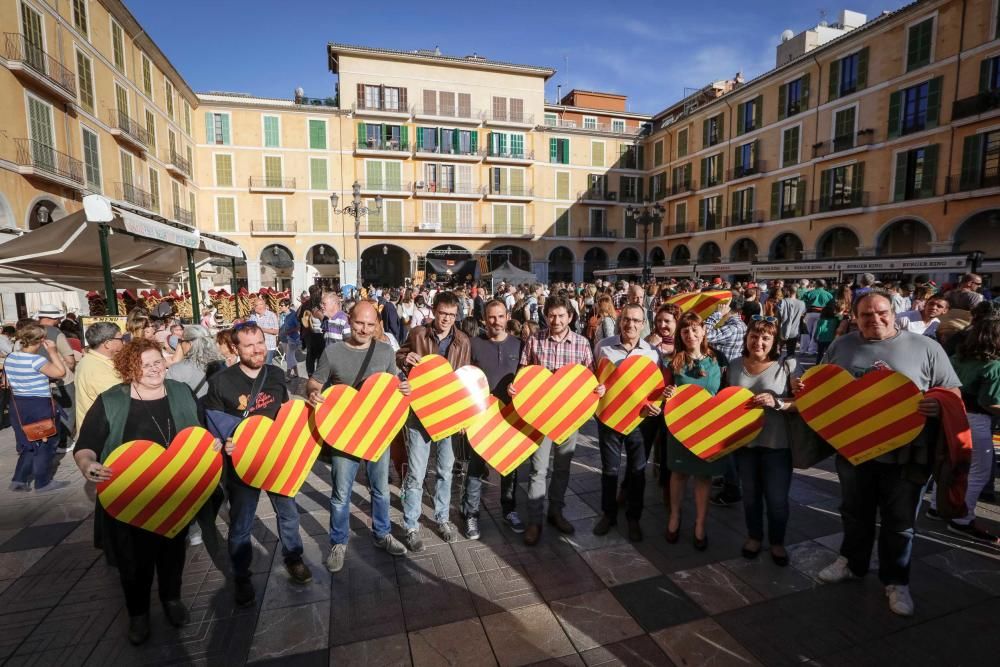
x=134, y=195
x=273, y=226
x=447, y=188
x=596, y=194
x=180, y=162
x=446, y=150
x=680, y=188
x=19, y=49
x=507, y=153
x=447, y=112
x=745, y=218
x=387, y=186
x=183, y=215
x=744, y=170
x=317, y=101
x=508, y=190
x=45, y=158
x=840, y=201
x=844, y=143
x=508, y=117
x=599, y=232
x=272, y=183
x=975, y=105
x=383, y=227
x=986, y=178
x=395, y=145
x=360, y=105
x=129, y=126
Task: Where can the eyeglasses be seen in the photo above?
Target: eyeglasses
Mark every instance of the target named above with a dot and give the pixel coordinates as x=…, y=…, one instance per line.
x=245, y=325
x=118, y=338
x=633, y=320
x=156, y=364
x=762, y=318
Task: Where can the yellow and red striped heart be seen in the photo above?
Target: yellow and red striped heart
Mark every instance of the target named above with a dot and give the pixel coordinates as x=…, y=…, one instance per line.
x=703, y=303
x=861, y=418
x=362, y=423
x=277, y=455
x=502, y=438
x=628, y=387
x=446, y=400
x=712, y=426
x=160, y=490
x=556, y=404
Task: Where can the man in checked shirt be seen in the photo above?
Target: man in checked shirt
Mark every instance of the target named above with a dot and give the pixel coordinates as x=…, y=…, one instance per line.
x=553, y=348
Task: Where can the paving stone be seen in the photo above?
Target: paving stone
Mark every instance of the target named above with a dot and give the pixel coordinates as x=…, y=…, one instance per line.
x=291, y=630
x=461, y=643
x=389, y=651
x=283, y=591
x=525, y=636
x=762, y=575
x=318, y=658
x=35, y=537
x=39, y=592
x=715, y=589
x=68, y=625
x=619, y=564
x=980, y=571
x=502, y=589
x=17, y=626
x=15, y=563
x=634, y=652
x=702, y=642
x=562, y=577
x=430, y=565
x=593, y=619
x=657, y=603
x=584, y=539
x=366, y=602
x=436, y=602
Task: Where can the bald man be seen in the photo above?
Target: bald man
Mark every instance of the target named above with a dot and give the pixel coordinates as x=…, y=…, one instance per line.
x=351, y=362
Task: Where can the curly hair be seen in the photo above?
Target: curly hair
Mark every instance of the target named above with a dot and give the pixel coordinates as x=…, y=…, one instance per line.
x=128, y=361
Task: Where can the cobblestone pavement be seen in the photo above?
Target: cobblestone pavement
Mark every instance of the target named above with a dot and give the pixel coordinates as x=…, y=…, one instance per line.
x=578, y=600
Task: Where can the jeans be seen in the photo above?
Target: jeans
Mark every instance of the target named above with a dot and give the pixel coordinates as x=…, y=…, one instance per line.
x=611, y=444
x=980, y=466
x=343, y=470
x=767, y=476
x=808, y=340
x=821, y=349
x=292, y=361
x=243, y=509
x=271, y=354
x=418, y=451
x=479, y=470
x=34, y=459
x=791, y=344
x=878, y=488
x=562, y=460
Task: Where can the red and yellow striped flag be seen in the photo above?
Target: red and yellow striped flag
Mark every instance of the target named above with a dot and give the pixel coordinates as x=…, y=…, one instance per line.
x=446, y=400
x=277, y=455
x=712, y=426
x=362, y=423
x=703, y=303
x=502, y=438
x=556, y=404
x=628, y=387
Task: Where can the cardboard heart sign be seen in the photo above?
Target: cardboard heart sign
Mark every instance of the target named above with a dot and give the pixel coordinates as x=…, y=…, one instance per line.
x=277, y=455
x=446, y=400
x=703, y=303
x=712, y=426
x=501, y=437
x=629, y=386
x=556, y=404
x=160, y=490
x=362, y=423
x=861, y=418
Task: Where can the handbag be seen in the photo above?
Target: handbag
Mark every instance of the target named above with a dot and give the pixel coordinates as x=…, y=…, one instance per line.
x=806, y=446
x=43, y=429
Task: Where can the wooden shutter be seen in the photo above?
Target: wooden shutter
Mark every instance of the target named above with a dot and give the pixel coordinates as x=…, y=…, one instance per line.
x=687, y=174
x=734, y=208
x=748, y=203
x=862, y=77
x=895, y=103
x=517, y=182
x=775, y=200
x=985, y=70
x=825, y=189
x=704, y=133
x=638, y=189
x=473, y=141
x=702, y=205
x=682, y=143
x=430, y=102
x=758, y=111
x=404, y=138
x=516, y=219
x=517, y=109
x=704, y=172
x=447, y=104
x=553, y=150
x=972, y=162
x=804, y=93
x=317, y=134
x=317, y=174
x=362, y=135
x=833, y=87
x=562, y=185
x=928, y=184
x=500, y=108
x=740, y=115
x=918, y=47
x=393, y=172
x=464, y=105
x=782, y=100
x=360, y=103
x=933, y=102
x=226, y=140
x=720, y=128
x=800, y=197
x=403, y=106
x=899, y=183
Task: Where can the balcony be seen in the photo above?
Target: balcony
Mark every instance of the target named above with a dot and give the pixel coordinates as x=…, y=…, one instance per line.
x=682, y=188
x=386, y=188
x=383, y=147
x=443, y=114
x=128, y=130
x=743, y=171
x=273, y=227
x=271, y=184
x=745, y=218
x=711, y=222
x=512, y=192
x=600, y=128
x=133, y=195
x=599, y=232
x=508, y=229
x=330, y=102
x=508, y=155
x=28, y=61
x=447, y=190
x=37, y=160
x=840, y=202
x=178, y=165
x=508, y=119
x=988, y=178
x=183, y=216
x=359, y=108
x=660, y=194
x=846, y=142
x=596, y=196
x=975, y=105
x=369, y=226
x=448, y=152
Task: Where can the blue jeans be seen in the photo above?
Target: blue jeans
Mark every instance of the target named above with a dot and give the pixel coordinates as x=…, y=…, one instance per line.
x=271, y=354
x=34, y=459
x=767, y=477
x=418, y=451
x=243, y=509
x=343, y=470
x=479, y=470
x=611, y=444
x=562, y=459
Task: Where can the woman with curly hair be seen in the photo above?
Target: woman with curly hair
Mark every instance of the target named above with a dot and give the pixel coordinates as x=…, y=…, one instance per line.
x=146, y=406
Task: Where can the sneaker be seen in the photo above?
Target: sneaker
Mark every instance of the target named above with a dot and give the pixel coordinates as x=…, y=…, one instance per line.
x=194, y=535
x=513, y=522
x=389, y=544
x=932, y=513
x=20, y=486
x=900, y=602
x=449, y=533
x=53, y=486
x=245, y=594
x=472, y=527
x=298, y=571
x=836, y=571
x=973, y=531
x=413, y=541
x=335, y=561
x=725, y=500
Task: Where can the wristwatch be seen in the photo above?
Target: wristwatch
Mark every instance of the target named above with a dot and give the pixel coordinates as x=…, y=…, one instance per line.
x=778, y=404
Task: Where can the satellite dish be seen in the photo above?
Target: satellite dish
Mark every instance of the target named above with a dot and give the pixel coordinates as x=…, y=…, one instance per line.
x=787, y=35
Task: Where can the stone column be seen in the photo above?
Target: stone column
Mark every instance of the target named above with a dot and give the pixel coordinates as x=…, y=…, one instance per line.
x=253, y=275
x=300, y=278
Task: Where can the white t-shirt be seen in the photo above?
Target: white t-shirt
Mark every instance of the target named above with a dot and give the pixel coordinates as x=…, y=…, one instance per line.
x=912, y=321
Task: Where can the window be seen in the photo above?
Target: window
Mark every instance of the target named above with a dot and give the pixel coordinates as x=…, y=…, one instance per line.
x=168, y=96
x=551, y=120
x=118, y=46
x=92, y=159
x=151, y=129
x=793, y=97
x=450, y=217
x=658, y=153
x=710, y=213
x=849, y=74
x=80, y=15
x=589, y=123
x=843, y=129
x=317, y=134
x=372, y=97
x=217, y=128
x=742, y=212
x=447, y=105
x=517, y=110
x=682, y=143
x=790, y=146
x=320, y=215
x=383, y=175
x=915, y=108
x=223, y=171
x=598, y=222
x=919, y=44
x=658, y=185
x=127, y=180
x=980, y=161
x=225, y=214
x=562, y=222
x=618, y=126
x=317, y=174
x=272, y=133
x=562, y=185
x=190, y=160
x=597, y=186
x=559, y=151
x=748, y=115
x=711, y=170
x=508, y=181
x=390, y=99
x=427, y=139
x=191, y=209
x=42, y=135
x=788, y=198
x=916, y=173
x=508, y=219
x=506, y=144
x=630, y=156
x=272, y=171
x=147, y=76
x=187, y=117
x=745, y=159
x=274, y=214
x=154, y=189
x=597, y=153
x=631, y=189
x=171, y=143
x=175, y=190
x=121, y=103
x=85, y=79
x=387, y=219
x=681, y=178
x=680, y=217
x=712, y=132
x=841, y=187
x=383, y=137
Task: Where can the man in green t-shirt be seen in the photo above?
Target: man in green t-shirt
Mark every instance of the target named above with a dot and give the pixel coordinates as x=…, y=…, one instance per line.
x=815, y=300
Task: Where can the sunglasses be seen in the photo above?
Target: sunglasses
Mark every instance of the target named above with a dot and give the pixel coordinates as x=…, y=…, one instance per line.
x=762, y=318
x=245, y=325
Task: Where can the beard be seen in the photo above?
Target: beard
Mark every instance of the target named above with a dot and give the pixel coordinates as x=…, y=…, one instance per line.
x=253, y=360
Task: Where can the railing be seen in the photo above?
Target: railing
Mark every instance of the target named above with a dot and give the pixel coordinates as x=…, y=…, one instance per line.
x=710, y=222
x=606, y=128
x=387, y=186
x=844, y=143
x=395, y=145
x=987, y=178
x=450, y=188
x=854, y=199
x=180, y=162
x=512, y=191
x=680, y=227
x=508, y=117
x=595, y=194
x=134, y=195
x=20, y=49
x=789, y=211
x=360, y=105
x=129, y=126
x=745, y=218
x=445, y=150
x=382, y=227
x=274, y=226
x=45, y=158
x=631, y=198
x=975, y=105
x=272, y=183
x=447, y=112
x=744, y=170
x=712, y=181
x=660, y=194
x=601, y=232
x=508, y=229
x=317, y=101
x=686, y=186
x=183, y=215
x=508, y=154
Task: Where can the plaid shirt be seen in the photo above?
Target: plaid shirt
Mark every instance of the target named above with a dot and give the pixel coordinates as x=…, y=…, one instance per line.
x=727, y=338
x=544, y=350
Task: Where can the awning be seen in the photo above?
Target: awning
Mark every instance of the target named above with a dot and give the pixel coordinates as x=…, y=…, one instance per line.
x=674, y=270
x=723, y=269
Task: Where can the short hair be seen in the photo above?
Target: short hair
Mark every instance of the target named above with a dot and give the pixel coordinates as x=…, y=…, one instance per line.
x=867, y=279
x=764, y=327
x=671, y=309
x=444, y=298
x=99, y=333
x=285, y=302
x=966, y=277
x=633, y=306
x=494, y=303
x=938, y=297
x=128, y=360
x=821, y=283
x=875, y=291
x=243, y=327
x=30, y=333
x=554, y=302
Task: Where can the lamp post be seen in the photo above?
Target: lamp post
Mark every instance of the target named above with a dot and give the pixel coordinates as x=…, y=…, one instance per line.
x=356, y=209
x=645, y=215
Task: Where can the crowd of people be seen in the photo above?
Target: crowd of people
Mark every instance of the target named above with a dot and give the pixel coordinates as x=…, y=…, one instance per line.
x=159, y=376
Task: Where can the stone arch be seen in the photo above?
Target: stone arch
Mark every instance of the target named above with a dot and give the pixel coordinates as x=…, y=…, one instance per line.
x=519, y=257
x=323, y=266
x=33, y=216
x=743, y=250
x=7, y=219
x=629, y=257
x=786, y=247
x=277, y=264
x=561, y=264
x=681, y=254
x=657, y=257
x=904, y=236
x=594, y=259
x=385, y=264
x=980, y=231
x=837, y=242
x=709, y=253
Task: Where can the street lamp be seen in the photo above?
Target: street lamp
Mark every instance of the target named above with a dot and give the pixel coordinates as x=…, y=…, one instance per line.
x=356, y=209
x=645, y=215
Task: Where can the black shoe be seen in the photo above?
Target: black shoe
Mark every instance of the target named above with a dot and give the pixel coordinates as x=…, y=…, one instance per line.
x=701, y=544
x=725, y=499
x=604, y=525
x=779, y=559
x=176, y=613
x=138, y=629
x=298, y=571
x=634, y=531
x=560, y=522
x=932, y=513
x=973, y=531
x=245, y=594
x=750, y=554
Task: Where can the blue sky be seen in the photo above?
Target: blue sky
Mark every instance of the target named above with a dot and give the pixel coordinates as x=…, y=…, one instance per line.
x=647, y=50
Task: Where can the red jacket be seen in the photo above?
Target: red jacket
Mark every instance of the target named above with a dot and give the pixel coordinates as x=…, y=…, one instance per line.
x=952, y=455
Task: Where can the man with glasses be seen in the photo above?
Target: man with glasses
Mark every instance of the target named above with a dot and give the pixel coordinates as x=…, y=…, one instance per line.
x=441, y=337
x=252, y=387
x=966, y=296
x=96, y=372
x=267, y=320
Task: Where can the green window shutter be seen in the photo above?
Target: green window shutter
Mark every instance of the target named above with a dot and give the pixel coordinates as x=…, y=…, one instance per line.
x=782, y=100
x=393, y=175
x=899, y=183
x=317, y=135
x=640, y=157
x=682, y=143
x=517, y=181
x=517, y=220
x=553, y=150
x=704, y=133
x=270, y=132
x=317, y=174
x=918, y=48
x=825, y=189
x=564, y=150
x=226, y=139
x=362, y=135
x=775, y=200
x=404, y=138
x=473, y=142
x=862, y=77
x=929, y=181
x=985, y=69
x=720, y=127
x=834, y=81
x=740, y=125
x=734, y=209
x=895, y=101
x=972, y=162
x=748, y=194
x=704, y=171
x=859, y=179
x=373, y=174
x=804, y=93
x=758, y=111
x=737, y=160
x=701, y=214
x=933, y=102
x=638, y=189
x=687, y=172
x=420, y=138
x=209, y=127
x=800, y=197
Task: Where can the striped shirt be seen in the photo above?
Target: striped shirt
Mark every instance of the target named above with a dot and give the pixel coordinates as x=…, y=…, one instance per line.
x=336, y=328
x=24, y=373
x=268, y=320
